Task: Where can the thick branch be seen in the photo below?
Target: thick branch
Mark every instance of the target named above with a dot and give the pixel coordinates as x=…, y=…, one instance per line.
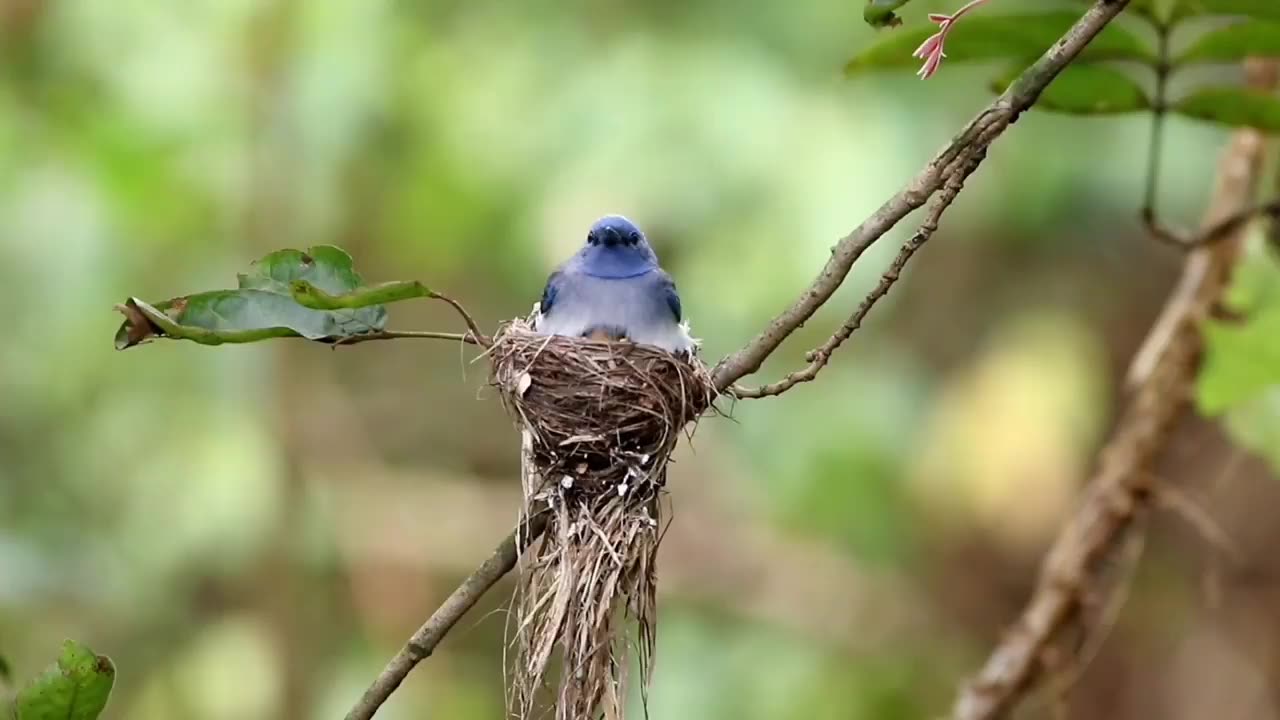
x=979, y=134
x=424, y=641
x=1122, y=488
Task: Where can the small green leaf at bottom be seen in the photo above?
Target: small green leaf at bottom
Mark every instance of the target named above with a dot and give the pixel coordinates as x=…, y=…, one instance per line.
x=1085, y=90
x=75, y=688
x=1234, y=106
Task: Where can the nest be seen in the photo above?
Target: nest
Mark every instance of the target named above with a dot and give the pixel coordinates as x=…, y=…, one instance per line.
x=599, y=421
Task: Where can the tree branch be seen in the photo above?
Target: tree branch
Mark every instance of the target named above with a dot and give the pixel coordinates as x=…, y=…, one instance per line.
x=1123, y=487
x=820, y=356
x=424, y=641
x=1222, y=229
x=976, y=136
x=480, y=338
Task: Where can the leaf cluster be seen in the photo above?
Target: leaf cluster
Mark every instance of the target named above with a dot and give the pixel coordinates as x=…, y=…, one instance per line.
x=1107, y=77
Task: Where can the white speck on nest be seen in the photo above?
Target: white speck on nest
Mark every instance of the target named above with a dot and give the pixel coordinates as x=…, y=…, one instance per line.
x=566, y=482
x=581, y=439
x=622, y=489
x=522, y=385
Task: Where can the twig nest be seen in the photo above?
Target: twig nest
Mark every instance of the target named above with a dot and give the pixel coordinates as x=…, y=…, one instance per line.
x=598, y=421
x=600, y=414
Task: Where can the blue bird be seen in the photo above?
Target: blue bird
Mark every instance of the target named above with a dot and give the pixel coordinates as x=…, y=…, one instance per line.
x=614, y=289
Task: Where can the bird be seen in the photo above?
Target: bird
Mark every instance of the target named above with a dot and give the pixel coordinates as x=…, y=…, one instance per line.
x=614, y=289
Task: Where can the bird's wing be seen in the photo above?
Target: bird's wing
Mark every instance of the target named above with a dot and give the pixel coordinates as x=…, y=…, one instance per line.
x=550, y=291
x=670, y=295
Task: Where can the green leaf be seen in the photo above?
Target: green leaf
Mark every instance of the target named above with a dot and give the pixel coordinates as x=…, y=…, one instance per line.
x=1085, y=90
x=75, y=688
x=1255, y=426
x=315, y=294
x=1242, y=360
x=991, y=37
x=1238, y=107
x=1233, y=43
x=879, y=13
x=1264, y=9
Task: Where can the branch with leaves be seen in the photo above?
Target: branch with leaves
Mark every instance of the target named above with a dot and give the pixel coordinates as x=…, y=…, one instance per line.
x=316, y=295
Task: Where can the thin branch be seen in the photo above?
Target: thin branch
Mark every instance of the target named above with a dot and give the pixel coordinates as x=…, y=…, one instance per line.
x=479, y=337
x=424, y=641
x=977, y=135
x=1123, y=488
x=468, y=338
x=1218, y=231
x=820, y=356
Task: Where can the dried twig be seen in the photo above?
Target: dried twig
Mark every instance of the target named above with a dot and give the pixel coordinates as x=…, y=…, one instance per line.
x=478, y=337
x=1122, y=487
x=1222, y=229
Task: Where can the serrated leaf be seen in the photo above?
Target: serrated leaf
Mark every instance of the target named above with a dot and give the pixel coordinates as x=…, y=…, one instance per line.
x=1085, y=90
x=76, y=687
x=264, y=306
x=880, y=13
x=992, y=37
x=1242, y=360
x=1233, y=43
x=1263, y=9
x=1234, y=106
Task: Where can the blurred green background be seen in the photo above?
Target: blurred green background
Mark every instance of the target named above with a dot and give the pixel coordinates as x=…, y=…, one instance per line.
x=251, y=532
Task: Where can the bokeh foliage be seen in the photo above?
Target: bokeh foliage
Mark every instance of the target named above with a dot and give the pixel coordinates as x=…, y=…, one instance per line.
x=251, y=531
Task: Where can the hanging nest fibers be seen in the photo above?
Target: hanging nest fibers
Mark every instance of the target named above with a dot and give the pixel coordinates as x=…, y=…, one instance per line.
x=599, y=421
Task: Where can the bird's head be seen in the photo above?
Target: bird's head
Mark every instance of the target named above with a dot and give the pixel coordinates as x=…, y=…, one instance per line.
x=616, y=249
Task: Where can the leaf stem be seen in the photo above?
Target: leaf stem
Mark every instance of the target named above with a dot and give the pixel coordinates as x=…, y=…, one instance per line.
x=1155, y=146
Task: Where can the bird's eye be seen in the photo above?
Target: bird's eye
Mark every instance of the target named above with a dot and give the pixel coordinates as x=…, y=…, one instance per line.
x=634, y=238
x=591, y=238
